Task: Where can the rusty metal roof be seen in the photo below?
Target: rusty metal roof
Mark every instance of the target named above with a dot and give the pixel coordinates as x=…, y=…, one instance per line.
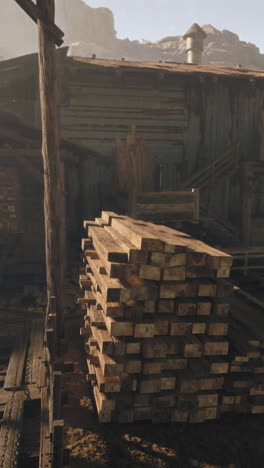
x=171, y=67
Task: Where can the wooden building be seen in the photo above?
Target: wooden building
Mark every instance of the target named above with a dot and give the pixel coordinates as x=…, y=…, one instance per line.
x=21, y=195
x=202, y=124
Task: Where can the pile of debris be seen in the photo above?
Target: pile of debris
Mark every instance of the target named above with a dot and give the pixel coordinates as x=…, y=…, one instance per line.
x=160, y=342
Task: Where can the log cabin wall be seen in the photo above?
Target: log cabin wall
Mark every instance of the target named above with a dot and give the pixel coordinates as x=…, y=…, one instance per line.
x=22, y=246
x=188, y=120
x=188, y=115
x=21, y=227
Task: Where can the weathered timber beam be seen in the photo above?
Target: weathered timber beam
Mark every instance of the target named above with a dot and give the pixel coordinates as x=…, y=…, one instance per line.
x=35, y=352
x=45, y=455
x=35, y=13
x=53, y=171
x=15, y=371
x=58, y=436
x=10, y=433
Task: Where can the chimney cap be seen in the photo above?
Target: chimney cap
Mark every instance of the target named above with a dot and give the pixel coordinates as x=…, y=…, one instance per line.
x=195, y=30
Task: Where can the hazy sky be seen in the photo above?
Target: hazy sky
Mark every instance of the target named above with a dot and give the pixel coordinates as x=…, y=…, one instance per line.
x=154, y=19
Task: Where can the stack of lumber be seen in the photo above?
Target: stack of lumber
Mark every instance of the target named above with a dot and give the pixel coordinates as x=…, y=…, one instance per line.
x=156, y=307
x=244, y=386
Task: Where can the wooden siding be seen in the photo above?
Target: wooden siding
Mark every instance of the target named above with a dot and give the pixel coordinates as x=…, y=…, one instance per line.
x=188, y=120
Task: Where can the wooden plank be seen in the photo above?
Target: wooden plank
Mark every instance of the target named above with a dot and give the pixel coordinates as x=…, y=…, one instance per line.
x=161, y=326
x=144, y=330
x=107, y=384
x=137, y=235
x=104, y=340
x=103, y=401
x=192, y=347
x=170, y=290
x=56, y=394
x=164, y=260
x=174, y=241
x=96, y=317
x=112, y=289
x=58, y=443
x=165, y=197
x=133, y=366
x=149, y=384
x=111, y=309
x=112, y=251
x=206, y=289
x=135, y=256
x=110, y=366
x=150, y=272
x=35, y=352
x=217, y=328
x=108, y=215
x=203, y=308
x=166, y=306
x=215, y=347
x=104, y=416
x=10, y=432
x=174, y=274
x=45, y=453
x=15, y=371
x=86, y=244
x=182, y=328
x=117, y=327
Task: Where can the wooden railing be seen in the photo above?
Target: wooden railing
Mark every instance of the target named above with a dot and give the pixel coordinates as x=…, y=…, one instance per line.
x=217, y=168
x=247, y=259
x=166, y=207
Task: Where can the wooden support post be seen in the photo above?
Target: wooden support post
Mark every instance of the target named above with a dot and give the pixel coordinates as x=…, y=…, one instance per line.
x=53, y=192
x=58, y=437
x=45, y=453
x=196, y=210
x=227, y=187
x=57, y=380
x=248, y=182
x=50, y=340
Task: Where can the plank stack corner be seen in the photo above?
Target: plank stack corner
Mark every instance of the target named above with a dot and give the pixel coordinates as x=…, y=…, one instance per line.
x=156, y=323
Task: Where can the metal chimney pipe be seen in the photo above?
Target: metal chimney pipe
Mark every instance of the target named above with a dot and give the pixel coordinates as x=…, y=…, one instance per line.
x=194, y=44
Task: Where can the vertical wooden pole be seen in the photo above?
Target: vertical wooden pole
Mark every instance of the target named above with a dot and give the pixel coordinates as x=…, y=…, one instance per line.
x=53, y=187
x=246, y=207
x=261, y=133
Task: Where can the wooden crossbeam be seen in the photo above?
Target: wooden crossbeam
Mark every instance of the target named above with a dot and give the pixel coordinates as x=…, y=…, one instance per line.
x=35, y=13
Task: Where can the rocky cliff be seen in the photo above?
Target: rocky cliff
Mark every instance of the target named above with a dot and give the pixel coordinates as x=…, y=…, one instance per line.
x=220, y=47
x=81, y=23
x=92, y=31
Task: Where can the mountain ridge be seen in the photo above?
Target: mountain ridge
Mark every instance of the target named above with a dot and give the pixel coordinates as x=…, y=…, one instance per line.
x=90, y=31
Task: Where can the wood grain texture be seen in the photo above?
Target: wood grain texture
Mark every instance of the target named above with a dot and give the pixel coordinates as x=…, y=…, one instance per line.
x=53, y=180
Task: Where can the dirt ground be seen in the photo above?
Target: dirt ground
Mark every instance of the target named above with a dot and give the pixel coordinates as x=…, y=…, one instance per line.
x=236, y=441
